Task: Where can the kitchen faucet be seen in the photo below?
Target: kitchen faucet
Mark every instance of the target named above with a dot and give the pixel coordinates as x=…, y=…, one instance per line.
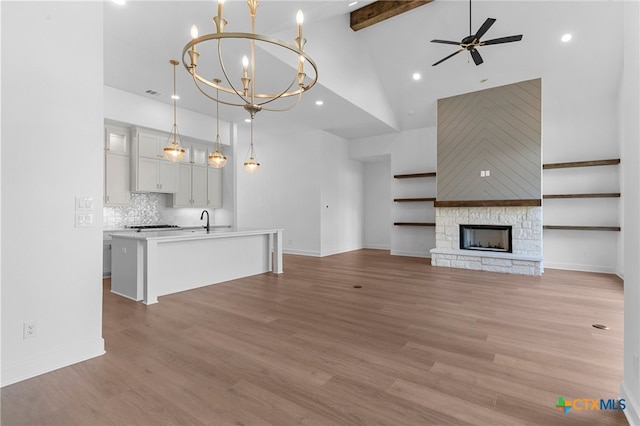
x=202, y=215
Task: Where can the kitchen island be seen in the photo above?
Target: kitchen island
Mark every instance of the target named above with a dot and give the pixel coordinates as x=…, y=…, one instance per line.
x=146, y=265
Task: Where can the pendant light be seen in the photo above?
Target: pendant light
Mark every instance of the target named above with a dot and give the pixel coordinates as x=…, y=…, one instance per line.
x=217, y=159
x=173, y=151
x=251, y=165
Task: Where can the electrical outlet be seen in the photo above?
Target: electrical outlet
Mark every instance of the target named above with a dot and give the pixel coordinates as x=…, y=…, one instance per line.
x=29, y=329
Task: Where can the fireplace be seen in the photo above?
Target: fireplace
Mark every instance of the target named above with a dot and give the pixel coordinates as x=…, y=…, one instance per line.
x=486, y=238
x=523, y=254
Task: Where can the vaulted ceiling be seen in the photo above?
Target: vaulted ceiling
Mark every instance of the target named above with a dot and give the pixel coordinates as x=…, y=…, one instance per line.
x=365, y=77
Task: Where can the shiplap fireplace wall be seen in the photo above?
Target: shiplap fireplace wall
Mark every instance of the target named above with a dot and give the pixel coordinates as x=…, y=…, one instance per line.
x=489, y=161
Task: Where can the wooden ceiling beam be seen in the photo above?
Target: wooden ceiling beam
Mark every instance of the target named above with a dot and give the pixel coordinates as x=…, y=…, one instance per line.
x=381, y=10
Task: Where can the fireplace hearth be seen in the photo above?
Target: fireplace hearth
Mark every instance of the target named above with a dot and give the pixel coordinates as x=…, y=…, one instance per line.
x=486, y=238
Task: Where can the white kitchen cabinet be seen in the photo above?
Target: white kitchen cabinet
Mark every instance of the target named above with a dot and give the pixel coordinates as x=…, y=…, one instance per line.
x=199, y=184
x=214, y=188
x=106, y=255
x=192, y=190
x=195, y=154
x=117, y=182
x=116, y=140
x=151, y=172
x=182, y=198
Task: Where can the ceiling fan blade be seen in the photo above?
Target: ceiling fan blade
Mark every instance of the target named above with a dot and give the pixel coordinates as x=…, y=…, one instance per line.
x=444, y=59
x=457, y=43
x=502, y=40
x=485, y=27
x=476, y=56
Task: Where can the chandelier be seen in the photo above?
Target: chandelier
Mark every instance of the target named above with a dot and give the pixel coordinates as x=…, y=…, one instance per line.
x=208, y=55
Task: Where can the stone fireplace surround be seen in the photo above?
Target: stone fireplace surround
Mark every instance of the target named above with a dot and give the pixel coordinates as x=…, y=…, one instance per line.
x=526, y=258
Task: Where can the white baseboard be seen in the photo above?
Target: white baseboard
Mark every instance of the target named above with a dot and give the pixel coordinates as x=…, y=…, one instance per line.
x=377, y=247
x=426, y=255
x=301, y=252
x=332, y=252
x=579, y=267
x=52, y=360
x=632, y=410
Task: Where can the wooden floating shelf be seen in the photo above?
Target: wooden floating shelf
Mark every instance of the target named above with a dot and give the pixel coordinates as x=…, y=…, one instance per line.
x=598, y=195
x=489, y=203
x=611, y=162
x=404, y=200
x=415, y=175
x=583, y=228
x=414, y=224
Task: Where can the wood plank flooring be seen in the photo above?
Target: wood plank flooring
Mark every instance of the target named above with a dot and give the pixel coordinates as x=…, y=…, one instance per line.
x=415, y=345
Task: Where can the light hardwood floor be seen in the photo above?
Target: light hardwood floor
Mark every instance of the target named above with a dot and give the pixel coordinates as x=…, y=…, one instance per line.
x=415, y=345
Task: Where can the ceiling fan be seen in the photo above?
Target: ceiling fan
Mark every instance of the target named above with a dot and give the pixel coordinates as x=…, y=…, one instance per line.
x=472, y=41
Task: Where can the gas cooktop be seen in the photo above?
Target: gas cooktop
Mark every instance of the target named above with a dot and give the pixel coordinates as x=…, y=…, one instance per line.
x=152, y=227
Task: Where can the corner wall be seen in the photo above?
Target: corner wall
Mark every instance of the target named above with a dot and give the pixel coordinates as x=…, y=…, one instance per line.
x=51, y=270
x=630, y=145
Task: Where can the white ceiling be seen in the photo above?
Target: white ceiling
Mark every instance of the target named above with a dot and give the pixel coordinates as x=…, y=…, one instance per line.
x=142, y=36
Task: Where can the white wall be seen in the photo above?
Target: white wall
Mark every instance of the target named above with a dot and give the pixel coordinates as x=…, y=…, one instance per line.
x=137, y=110
x=377, y=204
x=285, y=192
x=341, y=197
x=51, y=270
x=412, y=151
x=629, y=137
x=301, y=174
x=581, y=131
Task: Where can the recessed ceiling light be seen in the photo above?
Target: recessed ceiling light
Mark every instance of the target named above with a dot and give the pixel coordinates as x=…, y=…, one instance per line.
x=318, y=102
x=565, y=38
x=176, y=97
x=416, y=76
x=353, y=3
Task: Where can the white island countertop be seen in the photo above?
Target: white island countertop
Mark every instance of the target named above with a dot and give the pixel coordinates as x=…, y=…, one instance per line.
x=149, y=264
x=193, y=233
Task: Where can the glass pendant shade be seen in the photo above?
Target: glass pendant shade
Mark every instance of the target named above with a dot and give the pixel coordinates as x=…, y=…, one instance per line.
x=217, y=160
x=251, y=165
x=174, y=152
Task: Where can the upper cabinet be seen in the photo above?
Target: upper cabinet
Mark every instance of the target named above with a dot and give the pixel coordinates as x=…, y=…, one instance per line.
x=150, y=171
x=200, y=185
x=116, y=140
x=117, y=167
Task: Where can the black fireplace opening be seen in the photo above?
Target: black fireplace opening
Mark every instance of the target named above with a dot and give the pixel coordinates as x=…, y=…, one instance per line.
x=486, y=238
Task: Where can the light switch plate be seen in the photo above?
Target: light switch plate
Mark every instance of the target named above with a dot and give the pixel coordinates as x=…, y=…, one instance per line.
x=84, y=220
x=84, y=203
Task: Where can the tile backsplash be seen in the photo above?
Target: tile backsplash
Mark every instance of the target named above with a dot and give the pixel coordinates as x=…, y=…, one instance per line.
x=155, y=209
x=145, y=209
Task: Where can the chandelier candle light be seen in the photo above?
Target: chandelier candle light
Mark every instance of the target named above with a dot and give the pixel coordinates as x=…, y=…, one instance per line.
x=243, y=92
x=174, y=152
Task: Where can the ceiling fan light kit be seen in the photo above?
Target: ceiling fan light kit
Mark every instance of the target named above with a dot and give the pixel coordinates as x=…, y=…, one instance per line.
x=472, y=41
